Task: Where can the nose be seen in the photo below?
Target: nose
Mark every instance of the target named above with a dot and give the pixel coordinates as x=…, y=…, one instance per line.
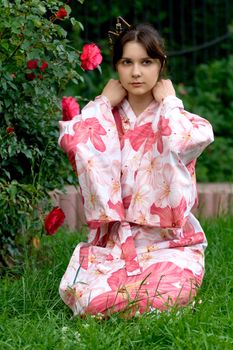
x=136, y=72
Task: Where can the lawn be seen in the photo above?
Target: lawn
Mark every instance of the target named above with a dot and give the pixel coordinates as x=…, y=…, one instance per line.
x=33, y=317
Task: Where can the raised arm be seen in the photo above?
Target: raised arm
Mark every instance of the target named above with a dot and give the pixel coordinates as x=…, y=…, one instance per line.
x=91, y=141
x=191, y=134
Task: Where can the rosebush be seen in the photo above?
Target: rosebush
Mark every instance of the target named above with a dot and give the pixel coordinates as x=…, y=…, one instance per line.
x=37, y=62
x=19, y=213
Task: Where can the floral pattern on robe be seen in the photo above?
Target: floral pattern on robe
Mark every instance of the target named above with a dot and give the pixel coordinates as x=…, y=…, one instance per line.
x=145, y=249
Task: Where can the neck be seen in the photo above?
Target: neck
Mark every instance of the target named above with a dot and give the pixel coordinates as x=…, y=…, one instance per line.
x=139, y=103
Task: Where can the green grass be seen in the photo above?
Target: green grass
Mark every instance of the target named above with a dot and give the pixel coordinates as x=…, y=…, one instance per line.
x=33, y=317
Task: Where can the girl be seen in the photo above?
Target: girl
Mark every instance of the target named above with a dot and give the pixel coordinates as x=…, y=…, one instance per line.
x=134, y=150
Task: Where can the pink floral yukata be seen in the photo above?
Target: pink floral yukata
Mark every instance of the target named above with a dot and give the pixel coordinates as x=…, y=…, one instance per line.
x=145, y=248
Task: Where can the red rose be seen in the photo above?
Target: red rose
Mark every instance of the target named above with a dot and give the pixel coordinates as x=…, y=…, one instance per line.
x=30, y=76
x=32, y=64
x=44, y=66
x=61, y=13
x=40, y=76
x=54, y=220
x=70, y=108
x=10, y=129
x=90, y=57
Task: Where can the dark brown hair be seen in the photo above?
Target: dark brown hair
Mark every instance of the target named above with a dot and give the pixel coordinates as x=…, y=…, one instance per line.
x=144, y=34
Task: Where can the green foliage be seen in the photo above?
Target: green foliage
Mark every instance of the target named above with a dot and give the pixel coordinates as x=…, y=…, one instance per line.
x=212, y=98
x=31, y=162
x=20, y=213
x=29, y=31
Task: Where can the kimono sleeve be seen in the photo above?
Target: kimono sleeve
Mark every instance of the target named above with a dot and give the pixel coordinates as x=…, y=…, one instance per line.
x=191, y=134
x=91, y=141
x=85, y=126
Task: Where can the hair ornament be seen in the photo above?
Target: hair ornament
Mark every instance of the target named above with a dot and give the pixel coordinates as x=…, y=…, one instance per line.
x=121, y=25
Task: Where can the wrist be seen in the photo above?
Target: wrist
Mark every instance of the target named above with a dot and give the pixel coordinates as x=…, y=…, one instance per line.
x=170, y=102
x=166, y=96
x=104, y=99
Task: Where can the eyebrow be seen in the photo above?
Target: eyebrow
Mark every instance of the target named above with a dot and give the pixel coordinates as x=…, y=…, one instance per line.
x=143, y=58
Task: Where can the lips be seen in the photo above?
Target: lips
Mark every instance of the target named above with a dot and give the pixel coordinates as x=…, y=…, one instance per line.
x=136, y=83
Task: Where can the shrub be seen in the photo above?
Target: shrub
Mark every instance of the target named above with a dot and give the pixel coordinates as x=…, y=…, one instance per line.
x=37, y=62
x=212, y=97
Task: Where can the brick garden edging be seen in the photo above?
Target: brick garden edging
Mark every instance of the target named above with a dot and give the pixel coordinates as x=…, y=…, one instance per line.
x=71, y=203
x=214, y=199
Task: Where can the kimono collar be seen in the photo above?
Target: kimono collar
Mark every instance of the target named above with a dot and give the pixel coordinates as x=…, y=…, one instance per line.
x=128, y=116
x=127, y=109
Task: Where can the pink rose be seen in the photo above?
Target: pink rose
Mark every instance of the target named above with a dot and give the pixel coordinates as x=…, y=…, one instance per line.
x=32, y=64
x=90, y=57
x=54, y=220
x=70, y=108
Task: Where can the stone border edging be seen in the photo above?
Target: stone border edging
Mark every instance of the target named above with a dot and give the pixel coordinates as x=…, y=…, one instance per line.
x=214, y=199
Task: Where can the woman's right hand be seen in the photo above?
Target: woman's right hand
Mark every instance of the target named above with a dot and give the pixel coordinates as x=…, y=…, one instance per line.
x=114, y=92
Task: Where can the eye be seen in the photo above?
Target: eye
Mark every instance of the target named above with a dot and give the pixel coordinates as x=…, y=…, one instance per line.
x=125, y=62
x=147, y=62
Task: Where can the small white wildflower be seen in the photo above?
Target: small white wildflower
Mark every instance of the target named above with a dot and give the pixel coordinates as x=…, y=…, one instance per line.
x=64, y=329
x=77, y=336
x=156, y=312
x=137, y=313
x=99, y=316
x=200, y=301
x=86, y=325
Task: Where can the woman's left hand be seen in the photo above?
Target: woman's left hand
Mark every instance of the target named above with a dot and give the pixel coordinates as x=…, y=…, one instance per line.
x=162, y=89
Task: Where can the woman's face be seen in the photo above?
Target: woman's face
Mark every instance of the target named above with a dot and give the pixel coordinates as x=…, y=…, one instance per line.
x=138, y=73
